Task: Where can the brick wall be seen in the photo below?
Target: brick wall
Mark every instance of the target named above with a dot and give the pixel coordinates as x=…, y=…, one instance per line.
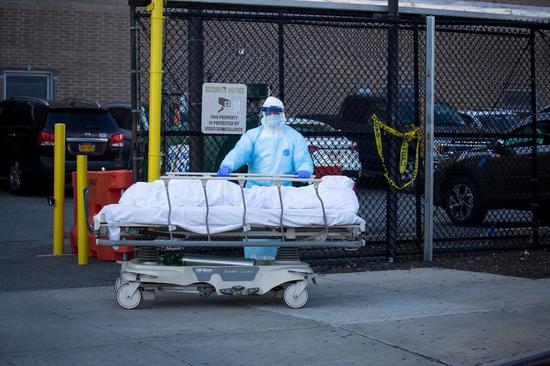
x=85, y=44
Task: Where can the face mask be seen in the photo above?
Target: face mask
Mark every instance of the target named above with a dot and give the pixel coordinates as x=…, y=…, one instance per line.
x=273, y=120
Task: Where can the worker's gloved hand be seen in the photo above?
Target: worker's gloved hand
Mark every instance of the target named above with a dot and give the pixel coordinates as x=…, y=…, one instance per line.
x=303, y=174
x=224, y=171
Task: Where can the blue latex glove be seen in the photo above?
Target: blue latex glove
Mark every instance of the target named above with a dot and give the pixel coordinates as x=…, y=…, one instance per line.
x=224, y=171
x=303, y=174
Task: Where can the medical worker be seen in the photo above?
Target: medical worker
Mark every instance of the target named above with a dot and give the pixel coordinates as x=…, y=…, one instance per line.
x=272, y=148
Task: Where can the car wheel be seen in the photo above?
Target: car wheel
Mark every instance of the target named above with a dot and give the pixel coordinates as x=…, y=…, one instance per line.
x=17, y=182
x=463, y=202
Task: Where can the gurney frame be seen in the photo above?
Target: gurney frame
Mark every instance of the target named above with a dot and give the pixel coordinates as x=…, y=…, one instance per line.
x=286, y=276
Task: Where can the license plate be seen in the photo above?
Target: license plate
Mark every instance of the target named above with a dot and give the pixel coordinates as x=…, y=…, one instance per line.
x=86, y=148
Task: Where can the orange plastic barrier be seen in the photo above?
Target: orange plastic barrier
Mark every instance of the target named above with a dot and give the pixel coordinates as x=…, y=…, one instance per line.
x=105, y=187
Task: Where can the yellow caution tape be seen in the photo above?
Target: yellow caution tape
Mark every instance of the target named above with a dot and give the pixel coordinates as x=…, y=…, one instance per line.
x=406, y=137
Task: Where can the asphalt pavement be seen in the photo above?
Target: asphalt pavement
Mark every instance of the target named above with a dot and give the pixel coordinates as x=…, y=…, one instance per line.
x=54, y=312
x=419, y=317
x=26, y=245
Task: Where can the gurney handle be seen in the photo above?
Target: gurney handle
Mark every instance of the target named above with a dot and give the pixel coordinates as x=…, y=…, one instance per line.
x=166, y=182
x=282, y=211
x=316, y=186
x=240, y=176
x=203, y=182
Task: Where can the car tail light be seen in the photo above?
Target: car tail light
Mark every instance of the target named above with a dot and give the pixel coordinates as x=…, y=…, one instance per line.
x=117, y=140
x=313, y=148
x=353, y=148
x=46, y=138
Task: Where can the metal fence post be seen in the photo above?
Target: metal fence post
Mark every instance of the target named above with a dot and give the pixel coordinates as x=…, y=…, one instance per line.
x=134, y=91
x=535, y=176
x=281, y=32
x=392, y=95
x=417, y=118
x=195, y=76
x=429, y=140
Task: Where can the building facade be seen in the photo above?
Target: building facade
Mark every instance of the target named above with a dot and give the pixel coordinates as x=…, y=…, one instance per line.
x=62, y=49
x=59, y=49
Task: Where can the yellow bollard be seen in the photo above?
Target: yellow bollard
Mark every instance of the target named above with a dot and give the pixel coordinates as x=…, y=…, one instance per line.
x=59, y=189
x=155, y=88
x=81, y=184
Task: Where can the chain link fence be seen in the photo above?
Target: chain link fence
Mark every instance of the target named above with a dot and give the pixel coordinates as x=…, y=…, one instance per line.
x=493, y=195
x=332, y=69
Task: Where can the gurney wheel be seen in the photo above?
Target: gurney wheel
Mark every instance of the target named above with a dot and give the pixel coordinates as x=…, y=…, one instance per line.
x=294, y=299
x=127, y=300
x=119, y=282
x=205, y=291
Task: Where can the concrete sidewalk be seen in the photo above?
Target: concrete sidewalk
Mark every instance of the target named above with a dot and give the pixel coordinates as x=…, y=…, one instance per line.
x=417, y=317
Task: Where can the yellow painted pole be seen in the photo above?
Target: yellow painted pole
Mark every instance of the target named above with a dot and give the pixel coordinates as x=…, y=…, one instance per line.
x=155, y=85
x=59, y=189
x=81, y=184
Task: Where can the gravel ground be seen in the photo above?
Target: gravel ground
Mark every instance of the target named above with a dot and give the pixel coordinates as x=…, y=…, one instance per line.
x=519, y=263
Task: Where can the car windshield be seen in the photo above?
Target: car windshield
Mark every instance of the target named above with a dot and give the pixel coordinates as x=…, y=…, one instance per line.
x=82, y=120
x=312, y=127
x=500, y=122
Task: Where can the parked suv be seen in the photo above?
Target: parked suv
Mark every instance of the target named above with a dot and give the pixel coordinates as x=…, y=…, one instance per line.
x=27, y=138
x=499, y=176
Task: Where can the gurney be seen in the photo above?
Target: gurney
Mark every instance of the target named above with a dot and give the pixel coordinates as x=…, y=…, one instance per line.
x=165, y=227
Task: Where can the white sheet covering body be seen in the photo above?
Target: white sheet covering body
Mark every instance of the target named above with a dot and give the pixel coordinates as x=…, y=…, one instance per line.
x=147, y=204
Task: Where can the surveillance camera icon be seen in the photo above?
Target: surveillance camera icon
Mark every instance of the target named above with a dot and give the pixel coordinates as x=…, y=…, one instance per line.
x=224, y=103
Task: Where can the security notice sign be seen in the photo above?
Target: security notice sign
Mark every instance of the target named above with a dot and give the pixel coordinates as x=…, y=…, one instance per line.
x=223, y=108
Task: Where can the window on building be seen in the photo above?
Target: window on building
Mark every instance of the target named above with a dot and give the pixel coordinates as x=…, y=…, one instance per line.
x=28, y=83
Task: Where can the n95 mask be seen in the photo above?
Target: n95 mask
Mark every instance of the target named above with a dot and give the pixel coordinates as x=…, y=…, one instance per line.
x=273, y=121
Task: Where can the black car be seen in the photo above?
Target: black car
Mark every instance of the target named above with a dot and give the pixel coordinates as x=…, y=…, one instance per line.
x=27, y=139
x=499, y=176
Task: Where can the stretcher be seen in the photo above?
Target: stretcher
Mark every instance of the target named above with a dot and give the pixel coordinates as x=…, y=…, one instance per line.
x=161, y=264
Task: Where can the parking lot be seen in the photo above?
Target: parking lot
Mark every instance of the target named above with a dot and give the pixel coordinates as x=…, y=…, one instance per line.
x=26, y=241
x=56, y=312
x=429, y=316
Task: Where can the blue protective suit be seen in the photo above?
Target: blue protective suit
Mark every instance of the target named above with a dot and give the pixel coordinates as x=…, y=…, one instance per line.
x=282, y=151
x=273, y=148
